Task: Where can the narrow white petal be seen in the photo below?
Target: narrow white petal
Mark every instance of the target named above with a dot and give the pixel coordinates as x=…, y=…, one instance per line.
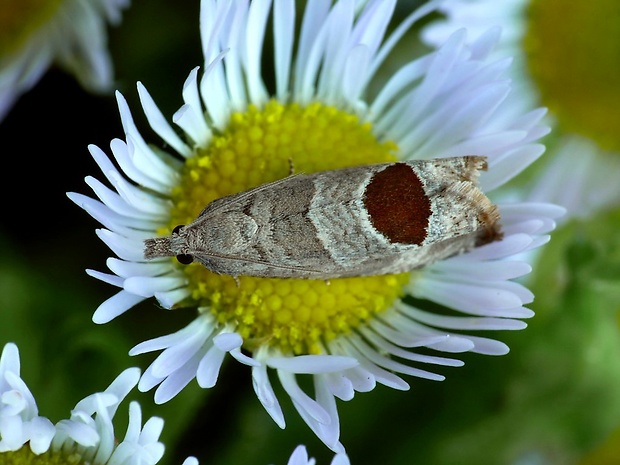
x=311, y=364
x=386, y=362
x=233, y=42
x=121, y=151
x=158, y=123
x=242, y=358
x=214, y=91
x=84, y=435
x=354, y=72
x=112, y=199
x=482, y=47
x=461, y=117
x=283, y=38
x=392, y=349
x=202, y=325
x=227, y=341
x=114, y=306
x=509, y=245
x=305, y=69
x=125, y=269
x=338, y=30
x=178, y=355
x=371, y=24
x=361, y=379
x=486, y=270
x=453, y=344
x=299, y=456
x=465, y=323
x=147, y=286
x=301, y=399
x=328, y=433
x=392, y=92
x=41, y=432
x=379, y=374
x=126, y=226
x=472, y=298
x=139, y=151
x=341, y=459
x=168, y=299
x=123, y=247
x=191, y=115
x=175, y=383
x=106, y=277
x=487, y=346
x=266, y=396
x=340, y=385
x=400, y=30
x=255, y=35
x=502, y=170
x=209, y=367
x=486, y=143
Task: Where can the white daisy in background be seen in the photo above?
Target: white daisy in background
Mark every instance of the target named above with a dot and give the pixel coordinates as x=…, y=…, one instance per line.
x=71, y=33
x=566, y=58
x=300, y=457
x=20, y=422
x=86, y=437
x=348, y=334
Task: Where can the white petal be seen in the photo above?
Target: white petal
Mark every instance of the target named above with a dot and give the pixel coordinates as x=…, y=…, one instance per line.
x=147, y=286
x=302, y=401
x=158, y=122
x=283, y=29
x=265, y=394
x=312, y=364
x=114, y=306
x=255, y=35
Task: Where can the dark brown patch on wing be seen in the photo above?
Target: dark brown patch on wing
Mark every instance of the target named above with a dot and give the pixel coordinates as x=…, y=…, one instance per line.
x=397, y=204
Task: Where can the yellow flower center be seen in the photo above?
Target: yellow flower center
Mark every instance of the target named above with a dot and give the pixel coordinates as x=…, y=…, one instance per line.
x=573, y=53
x=20, y=18
x=25, y=456
x=295, y=315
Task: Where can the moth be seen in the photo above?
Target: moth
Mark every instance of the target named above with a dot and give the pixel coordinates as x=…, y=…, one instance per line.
x=358, y=221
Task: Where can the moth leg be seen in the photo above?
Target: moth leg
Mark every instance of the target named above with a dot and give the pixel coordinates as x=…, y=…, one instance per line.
x=291, y=167
x=237, y=282
x=327, y=282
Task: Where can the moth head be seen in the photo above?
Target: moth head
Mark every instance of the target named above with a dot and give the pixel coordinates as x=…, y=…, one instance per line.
x=183, y=258
x=168, y=246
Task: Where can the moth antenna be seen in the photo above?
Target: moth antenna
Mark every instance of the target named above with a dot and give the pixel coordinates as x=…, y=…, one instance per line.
x=157, y=247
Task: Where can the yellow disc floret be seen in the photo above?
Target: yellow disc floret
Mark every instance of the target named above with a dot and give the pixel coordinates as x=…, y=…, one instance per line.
x=25, y=456
x=573, y=54
x=257, y=147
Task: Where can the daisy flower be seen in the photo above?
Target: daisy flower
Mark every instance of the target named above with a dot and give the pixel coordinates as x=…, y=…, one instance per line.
x=300, y=457
x=234, y=133
x=20, y=422
x=572, y=67
x=71, y=33
x=86, y=437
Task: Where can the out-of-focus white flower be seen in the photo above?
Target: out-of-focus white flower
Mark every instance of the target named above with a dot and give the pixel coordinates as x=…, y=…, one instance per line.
x=88, y=434
x=71, y=33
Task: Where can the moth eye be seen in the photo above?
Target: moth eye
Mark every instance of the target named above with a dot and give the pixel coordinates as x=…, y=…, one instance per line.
x=185, y=259
x=177, y=229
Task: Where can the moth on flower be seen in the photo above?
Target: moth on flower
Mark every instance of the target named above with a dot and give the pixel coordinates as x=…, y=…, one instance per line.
x=360, y=221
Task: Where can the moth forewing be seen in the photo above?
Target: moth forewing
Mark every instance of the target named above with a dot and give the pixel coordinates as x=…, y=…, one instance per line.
x=365, y=220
